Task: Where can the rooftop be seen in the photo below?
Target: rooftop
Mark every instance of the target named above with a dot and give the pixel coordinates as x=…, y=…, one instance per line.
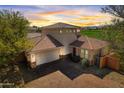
x=60, y=25
x=89, y=43
x=44, y=42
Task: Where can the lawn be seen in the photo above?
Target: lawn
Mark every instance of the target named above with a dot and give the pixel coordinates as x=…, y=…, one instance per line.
x=93, y=33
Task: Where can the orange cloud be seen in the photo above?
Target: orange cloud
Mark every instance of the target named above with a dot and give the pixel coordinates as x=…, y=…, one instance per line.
x=39, y=22
x=46, y=18
x=47, y=22
x=65, y=12
x=91, y=17
x=92, y=23
x=87, y=23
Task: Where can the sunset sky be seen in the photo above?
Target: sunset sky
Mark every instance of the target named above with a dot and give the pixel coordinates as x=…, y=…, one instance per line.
x=78, y=15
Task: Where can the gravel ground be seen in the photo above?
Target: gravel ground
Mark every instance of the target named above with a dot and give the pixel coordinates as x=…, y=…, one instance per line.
x=59, y=80
x=115, y=77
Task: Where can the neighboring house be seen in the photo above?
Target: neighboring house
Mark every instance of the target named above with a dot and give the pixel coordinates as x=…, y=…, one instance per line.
x=91, y=27
x=59, y=40
x=33, y=29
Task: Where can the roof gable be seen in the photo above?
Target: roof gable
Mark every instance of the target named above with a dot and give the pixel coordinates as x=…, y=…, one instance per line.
x=90, y=43
x=44, y=43
x=60, y=25
x=53, y=40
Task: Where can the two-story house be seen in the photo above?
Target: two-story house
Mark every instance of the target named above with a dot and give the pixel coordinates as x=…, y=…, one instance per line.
x=59, y=40
x=52, y=43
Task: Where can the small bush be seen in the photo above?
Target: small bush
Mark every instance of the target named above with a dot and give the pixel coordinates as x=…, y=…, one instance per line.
x=84, y=63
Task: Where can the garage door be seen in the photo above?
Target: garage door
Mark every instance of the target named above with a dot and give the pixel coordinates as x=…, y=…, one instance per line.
x=47, y=56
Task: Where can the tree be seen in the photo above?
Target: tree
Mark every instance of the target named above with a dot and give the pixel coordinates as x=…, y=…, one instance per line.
x=114, y=33
x=36, y=29
x=116, y=10
x=13, y=31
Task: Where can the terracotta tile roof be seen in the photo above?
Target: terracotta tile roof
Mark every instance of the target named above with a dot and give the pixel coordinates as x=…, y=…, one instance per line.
x=44, y=43
x=89, y=43
x=60, y=25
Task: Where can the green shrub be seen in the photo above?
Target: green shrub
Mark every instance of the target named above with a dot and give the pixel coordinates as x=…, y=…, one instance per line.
x=84, y=63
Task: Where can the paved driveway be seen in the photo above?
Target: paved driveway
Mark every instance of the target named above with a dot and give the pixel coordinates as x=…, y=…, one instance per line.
x=59, y=80
x=70, y=69
x=67, y=67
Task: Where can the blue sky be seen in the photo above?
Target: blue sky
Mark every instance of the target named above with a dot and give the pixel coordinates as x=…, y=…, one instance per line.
x=82, y=15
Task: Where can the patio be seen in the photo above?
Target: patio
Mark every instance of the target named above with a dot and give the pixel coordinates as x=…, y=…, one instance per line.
x=67, y=67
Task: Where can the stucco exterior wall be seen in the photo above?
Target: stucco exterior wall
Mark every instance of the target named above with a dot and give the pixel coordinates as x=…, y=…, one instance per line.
x=91, y=53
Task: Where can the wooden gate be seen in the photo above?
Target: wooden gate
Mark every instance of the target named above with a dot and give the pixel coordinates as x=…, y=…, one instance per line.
x=110, y=61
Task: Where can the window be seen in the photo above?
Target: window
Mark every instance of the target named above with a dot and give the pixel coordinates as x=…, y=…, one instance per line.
x=60, y=31
x=73, y=30
x=84, y=53
x=78, y=30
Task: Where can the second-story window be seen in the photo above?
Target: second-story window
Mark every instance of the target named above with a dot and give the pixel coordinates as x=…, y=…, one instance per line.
x=74, y=30
x=78, y=30
x=60, y=31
